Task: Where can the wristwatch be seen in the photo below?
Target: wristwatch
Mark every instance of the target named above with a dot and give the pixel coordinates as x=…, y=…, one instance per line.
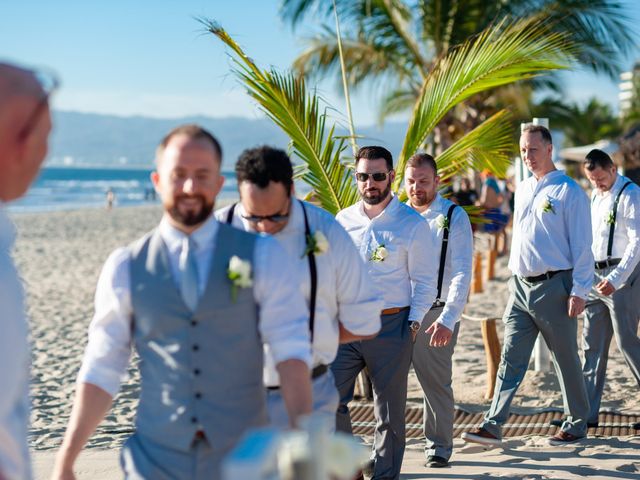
x=414, y=326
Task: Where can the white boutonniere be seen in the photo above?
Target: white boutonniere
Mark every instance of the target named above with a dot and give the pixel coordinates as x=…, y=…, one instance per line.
x=379, y=254
x=610, y=219
x=239, y=272
x=317, y=243
x=547, y=206
x=442, y=222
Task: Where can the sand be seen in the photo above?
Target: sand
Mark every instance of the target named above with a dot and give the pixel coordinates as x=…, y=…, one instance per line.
x=60, y=255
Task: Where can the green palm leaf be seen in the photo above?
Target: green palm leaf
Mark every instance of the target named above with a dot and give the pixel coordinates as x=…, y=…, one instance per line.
x=499, y=55
x=488, y=146
x=285, y=100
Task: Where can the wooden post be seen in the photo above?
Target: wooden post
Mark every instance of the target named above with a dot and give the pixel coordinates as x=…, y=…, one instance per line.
x=492, y=353
x=491, y=264
x=476, y=285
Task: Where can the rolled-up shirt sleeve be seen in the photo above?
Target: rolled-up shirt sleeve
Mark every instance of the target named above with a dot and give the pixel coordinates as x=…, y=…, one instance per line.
x=460, y=253
x=284, y=316
x=631, y=219
x=359, y=301
x=422, y=256
x=109, y=349
x=578, y=221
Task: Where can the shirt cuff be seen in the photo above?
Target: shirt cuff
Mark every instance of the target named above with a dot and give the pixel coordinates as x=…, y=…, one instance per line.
x=615, y=279
x=292, y=351
x=108, y=380
x=447, y=319
x=580, y=292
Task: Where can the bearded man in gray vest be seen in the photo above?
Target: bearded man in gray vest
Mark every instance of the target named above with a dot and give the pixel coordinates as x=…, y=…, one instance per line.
x=197, y=299
x=614, y=301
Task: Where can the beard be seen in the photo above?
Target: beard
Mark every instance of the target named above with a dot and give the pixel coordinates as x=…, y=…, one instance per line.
x=423, y=198
x=190, y=217
x=374, y=198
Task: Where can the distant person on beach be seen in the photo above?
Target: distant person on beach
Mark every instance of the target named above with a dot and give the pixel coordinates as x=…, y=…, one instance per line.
x=25, y=123
x=399, y=249
x=197, y=299
x=335, y=282
x=614, y=301
x=111, y=197
x=465, y=195
x=436, y=340
x=552, y=267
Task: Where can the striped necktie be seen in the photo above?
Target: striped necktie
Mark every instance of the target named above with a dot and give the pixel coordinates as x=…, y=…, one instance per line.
x=189, y=274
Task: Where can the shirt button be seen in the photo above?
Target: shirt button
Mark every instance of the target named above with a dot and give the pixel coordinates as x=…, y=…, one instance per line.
x=194, y=420
x=196, y=348
x=196, y=371
x=194, y=323
x=198, y=395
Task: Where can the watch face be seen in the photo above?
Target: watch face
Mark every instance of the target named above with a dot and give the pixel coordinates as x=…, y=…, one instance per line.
x=415, y=326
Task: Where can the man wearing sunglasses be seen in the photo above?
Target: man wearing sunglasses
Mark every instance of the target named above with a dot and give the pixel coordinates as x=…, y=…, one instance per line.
x=25, y=124
x=335, y=283
x=402, y=257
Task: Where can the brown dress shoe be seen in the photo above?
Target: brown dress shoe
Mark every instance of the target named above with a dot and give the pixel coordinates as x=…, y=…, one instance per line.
x=564, y=438
x=480, y=435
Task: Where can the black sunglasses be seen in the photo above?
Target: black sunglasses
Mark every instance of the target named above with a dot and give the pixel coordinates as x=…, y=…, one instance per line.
x=377, y=176
x=50, y=83
x=262, y=218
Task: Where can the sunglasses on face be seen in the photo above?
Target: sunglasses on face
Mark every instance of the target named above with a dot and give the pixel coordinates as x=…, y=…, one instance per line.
x=263, y=218
x=49, y=83
x=377, y=176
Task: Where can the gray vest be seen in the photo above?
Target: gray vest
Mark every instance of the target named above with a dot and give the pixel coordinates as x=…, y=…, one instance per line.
x=200, y=370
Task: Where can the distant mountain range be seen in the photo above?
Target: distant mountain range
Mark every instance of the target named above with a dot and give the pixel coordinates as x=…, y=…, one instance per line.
x=107, y=140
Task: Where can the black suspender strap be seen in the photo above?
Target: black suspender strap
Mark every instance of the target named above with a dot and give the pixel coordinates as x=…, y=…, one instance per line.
x=230, y=214
x=443, y=255
x=313, y=271
x=613, y=219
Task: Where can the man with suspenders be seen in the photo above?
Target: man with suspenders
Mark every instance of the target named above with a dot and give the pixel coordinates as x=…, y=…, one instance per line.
x=342, y=305
x=436, y=340
x=613, y=306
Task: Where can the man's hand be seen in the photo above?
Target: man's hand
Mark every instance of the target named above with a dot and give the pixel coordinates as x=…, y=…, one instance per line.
x=605, y=287
x=440, y=335
x=576, y=306
x=295, y=387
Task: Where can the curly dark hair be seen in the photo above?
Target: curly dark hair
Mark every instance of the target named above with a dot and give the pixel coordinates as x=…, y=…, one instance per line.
x=264, y=164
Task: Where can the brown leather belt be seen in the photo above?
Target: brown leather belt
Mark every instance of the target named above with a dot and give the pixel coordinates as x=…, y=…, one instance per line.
x=393, y=310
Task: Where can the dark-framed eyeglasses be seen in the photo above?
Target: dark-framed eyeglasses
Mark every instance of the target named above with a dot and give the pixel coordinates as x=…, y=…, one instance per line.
x=49, y=82
x=377, y=176
x=277, y=218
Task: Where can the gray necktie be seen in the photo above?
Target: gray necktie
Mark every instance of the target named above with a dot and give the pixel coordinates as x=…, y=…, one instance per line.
x=189, y=274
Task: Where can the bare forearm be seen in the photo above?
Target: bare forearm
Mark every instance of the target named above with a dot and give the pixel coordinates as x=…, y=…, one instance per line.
x=295, y=386
x=347, y=337
x=90, y=405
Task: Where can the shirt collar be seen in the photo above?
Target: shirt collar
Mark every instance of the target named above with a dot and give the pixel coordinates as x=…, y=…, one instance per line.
x=391, y=207
x=202, y=236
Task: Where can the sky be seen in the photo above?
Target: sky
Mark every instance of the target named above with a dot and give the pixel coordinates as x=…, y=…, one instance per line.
x=152, y=58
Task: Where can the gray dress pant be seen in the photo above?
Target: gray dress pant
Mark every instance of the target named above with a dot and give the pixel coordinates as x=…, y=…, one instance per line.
x=532, y=308
x=433, y=366
x=387, y=357
x=606, y=316
x=143, y=459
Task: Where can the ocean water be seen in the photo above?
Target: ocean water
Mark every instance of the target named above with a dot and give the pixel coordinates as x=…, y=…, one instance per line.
x=67, y=188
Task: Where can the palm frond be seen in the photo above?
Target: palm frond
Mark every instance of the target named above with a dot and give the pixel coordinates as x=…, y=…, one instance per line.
x=285, y=100
x=488, y=146
x=502, y=54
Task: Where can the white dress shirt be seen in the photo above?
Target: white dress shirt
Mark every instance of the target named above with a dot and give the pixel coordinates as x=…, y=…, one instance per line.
x=14, y=363
x=554, y=240
x=344, y=288
x=459, y=260
x=283, y=314
x=626, y=240
x=408, y=276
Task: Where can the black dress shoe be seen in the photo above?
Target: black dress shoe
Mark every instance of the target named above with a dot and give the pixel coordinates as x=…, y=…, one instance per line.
x=560, y=421
x=434, y=461
x=636, y=426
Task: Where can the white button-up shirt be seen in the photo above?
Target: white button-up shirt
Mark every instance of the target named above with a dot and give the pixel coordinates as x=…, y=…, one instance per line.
x=283, y=314
x=626, y=236
x=14, y=363
x=459, y=260
x=344, y=291
x=408, y=275
x=556, y=239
